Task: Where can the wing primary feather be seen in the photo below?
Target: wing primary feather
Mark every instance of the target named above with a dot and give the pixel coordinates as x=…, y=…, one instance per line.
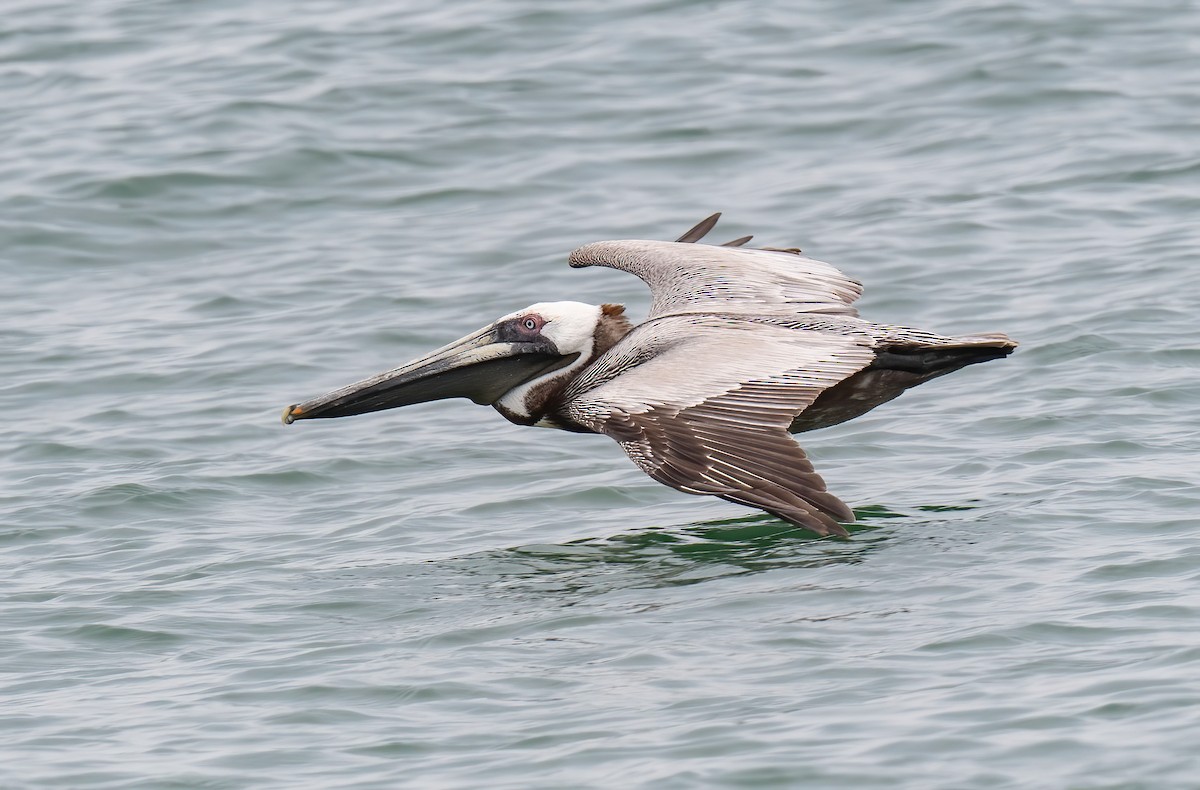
x=700, y=230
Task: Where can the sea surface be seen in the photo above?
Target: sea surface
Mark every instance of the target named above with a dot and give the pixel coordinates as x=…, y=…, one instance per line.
x=211, y=210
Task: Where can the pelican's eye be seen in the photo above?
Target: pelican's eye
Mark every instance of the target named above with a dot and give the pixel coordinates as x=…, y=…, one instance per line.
x=531, y=323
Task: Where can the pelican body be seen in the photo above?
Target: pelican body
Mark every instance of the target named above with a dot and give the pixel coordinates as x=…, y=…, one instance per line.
x=741, y=348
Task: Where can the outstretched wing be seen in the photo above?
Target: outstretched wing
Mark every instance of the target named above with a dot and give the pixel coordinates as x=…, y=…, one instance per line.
x=702, y=403
x=688, y=277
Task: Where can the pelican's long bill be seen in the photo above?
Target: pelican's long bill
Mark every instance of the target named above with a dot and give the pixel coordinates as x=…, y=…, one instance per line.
x=482, y=366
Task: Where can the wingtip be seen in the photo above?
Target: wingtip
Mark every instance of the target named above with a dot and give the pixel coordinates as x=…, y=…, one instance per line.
x=836, y=522
x=994, y=339
x=700, y=230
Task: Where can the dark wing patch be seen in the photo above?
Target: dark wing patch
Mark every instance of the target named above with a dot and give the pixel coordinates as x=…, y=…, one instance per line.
x=700, y=230
x=723, y=448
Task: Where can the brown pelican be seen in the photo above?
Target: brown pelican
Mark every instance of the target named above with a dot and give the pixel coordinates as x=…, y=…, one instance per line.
x=741, y=348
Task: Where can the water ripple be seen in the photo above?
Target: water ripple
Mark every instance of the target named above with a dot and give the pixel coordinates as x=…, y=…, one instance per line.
x=211, y=210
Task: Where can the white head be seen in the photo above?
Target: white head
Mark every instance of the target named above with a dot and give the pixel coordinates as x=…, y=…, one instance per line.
x=571, y=328
x=568, y=325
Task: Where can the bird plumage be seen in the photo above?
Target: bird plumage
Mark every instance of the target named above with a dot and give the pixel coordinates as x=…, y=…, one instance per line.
x=741, y=348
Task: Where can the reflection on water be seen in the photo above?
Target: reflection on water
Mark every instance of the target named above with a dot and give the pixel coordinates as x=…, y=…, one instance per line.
x=676, y=555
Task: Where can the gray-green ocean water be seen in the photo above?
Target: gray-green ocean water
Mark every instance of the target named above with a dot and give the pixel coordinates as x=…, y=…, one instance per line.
x=211, y=210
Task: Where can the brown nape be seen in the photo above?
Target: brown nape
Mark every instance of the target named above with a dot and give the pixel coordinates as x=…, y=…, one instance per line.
x=613, y=326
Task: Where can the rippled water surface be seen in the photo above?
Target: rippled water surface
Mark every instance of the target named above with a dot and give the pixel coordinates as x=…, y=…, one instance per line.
x=210, y=210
